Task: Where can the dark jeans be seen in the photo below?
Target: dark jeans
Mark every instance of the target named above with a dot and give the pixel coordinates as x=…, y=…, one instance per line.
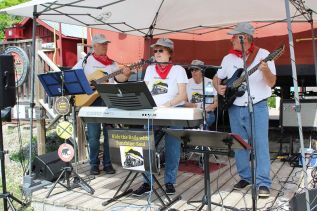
x=93, y=137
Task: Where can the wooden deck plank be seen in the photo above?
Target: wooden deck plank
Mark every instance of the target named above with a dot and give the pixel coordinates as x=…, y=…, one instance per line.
x=246, y=200
x=238, y=198
x=197, y=192
x=100, y=182
x=189, y=185
x=290, y=187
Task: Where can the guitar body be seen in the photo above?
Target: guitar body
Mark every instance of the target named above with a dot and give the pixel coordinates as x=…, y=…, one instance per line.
x=224, y=102
x=235, y=86
x=87, y=100
x=100, y=77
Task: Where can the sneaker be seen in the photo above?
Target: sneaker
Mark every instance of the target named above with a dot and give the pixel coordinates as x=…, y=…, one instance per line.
x=143, y=189
x=241, y=185
x=94, y=170
x=264, y=191
x=109, y=170
x=170, y=190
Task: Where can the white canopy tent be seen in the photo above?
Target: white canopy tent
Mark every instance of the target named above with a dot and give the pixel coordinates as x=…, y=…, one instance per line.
x=149, y=18
x=154, y=17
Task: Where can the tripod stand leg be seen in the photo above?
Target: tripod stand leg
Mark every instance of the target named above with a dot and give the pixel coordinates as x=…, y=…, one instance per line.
x=82, y=183
x=55, y=183
x=170, y=202
x=125, y=192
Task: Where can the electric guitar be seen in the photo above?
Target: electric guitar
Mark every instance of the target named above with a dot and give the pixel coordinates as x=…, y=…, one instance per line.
x=235, y=87
x=101, y=77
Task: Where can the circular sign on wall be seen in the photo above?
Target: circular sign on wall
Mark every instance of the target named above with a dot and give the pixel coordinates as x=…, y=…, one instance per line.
x=21, y=63
x=64, y=130
x=62, y=106
x=66, y=152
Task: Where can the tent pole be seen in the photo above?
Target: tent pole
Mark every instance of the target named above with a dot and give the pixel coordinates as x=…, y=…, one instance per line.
x=32, y=104
x=30, y=185
x=296, y=95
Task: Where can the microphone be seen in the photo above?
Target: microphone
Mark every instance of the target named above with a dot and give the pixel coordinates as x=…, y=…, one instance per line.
x=86, y=57
x=150, y=60
x=241, y=37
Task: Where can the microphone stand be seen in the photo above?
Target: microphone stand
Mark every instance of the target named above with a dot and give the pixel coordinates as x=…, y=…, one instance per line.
x=251, y=137
x=203, y=70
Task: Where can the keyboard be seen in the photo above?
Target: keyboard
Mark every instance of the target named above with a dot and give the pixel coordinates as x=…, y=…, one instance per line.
x=187, y=117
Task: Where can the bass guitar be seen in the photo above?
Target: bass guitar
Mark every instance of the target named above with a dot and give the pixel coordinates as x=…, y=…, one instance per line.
x=235, y=87
x=101, y=77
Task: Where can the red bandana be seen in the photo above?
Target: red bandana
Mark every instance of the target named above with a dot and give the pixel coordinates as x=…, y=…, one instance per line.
x=103, y=59
x=163, y=71
x=239, y=53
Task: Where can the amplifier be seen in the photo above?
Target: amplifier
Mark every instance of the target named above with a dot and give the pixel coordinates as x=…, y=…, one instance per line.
x=308, y=113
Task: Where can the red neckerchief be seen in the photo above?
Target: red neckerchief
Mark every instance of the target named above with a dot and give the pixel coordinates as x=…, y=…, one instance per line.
x=163, y=71
x=103, y=59
x=239, y=53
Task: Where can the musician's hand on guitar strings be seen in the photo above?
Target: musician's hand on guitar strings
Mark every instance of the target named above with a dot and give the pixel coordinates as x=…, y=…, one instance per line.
x=126, y=71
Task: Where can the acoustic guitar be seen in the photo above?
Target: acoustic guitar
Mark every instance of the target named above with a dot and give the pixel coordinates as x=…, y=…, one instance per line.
x=234, y=84
x=101, y=77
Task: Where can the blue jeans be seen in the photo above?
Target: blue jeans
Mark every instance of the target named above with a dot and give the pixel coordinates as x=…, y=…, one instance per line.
x=240, y=124
x=93, y=137
x=172, y=157
x=210, y=118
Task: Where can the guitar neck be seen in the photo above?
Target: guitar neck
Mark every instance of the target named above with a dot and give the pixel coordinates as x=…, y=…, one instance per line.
x=107, y=77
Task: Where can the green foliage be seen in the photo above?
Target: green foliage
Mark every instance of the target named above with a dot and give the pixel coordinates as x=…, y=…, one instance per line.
x=23, y=153
x=8, y=20
x=271, y=102
x=52, y=144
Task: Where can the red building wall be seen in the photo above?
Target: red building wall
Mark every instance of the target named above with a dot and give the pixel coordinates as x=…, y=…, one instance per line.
x=46, y=33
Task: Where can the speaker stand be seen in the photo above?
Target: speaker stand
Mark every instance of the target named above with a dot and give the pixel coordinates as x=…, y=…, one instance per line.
x=6, y=196
x=77, y=181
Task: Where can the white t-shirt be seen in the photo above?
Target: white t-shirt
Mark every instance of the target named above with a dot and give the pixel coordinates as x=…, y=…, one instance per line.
x=93, y=65
x=258, y=87
x=164, y=90
x=195, y=91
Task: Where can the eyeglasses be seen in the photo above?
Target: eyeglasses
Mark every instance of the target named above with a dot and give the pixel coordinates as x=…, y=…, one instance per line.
x=194, y=70
x=159, y=50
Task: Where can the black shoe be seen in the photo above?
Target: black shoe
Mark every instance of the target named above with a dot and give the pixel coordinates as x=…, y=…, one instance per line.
x=109, y=170
x=143, y=189
x=94, y=170
x=241, y=185
x=170, y=190
x=264, y=191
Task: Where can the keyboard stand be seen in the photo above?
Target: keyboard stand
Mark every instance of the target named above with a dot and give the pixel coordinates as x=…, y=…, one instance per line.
x=128, y=190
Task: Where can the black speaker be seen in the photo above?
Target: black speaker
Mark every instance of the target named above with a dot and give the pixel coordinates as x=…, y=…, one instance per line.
x=298, y=202
x=7, y=82
x=48, y=166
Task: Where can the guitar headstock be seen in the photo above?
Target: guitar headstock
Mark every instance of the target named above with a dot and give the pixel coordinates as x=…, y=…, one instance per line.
x=276, y=53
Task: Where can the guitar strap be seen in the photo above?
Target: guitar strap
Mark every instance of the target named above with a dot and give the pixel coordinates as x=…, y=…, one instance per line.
x=252, y=56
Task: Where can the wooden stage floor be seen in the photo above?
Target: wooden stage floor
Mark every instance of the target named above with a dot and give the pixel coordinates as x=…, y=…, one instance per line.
x=287, y=181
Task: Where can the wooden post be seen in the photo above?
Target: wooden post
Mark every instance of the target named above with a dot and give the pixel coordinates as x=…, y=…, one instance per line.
x=81, y=140
x=40, y=115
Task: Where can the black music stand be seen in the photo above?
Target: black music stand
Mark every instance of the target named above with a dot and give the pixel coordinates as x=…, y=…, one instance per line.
x=69, y=82
x=126, y=96
x=209, y=142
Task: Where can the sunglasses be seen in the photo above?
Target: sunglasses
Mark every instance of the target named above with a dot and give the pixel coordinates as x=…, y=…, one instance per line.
x=194, y=70
x=159, y=50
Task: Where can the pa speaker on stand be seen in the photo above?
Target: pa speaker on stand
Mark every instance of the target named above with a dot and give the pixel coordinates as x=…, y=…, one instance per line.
x=7, y=82
x=7, y=99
